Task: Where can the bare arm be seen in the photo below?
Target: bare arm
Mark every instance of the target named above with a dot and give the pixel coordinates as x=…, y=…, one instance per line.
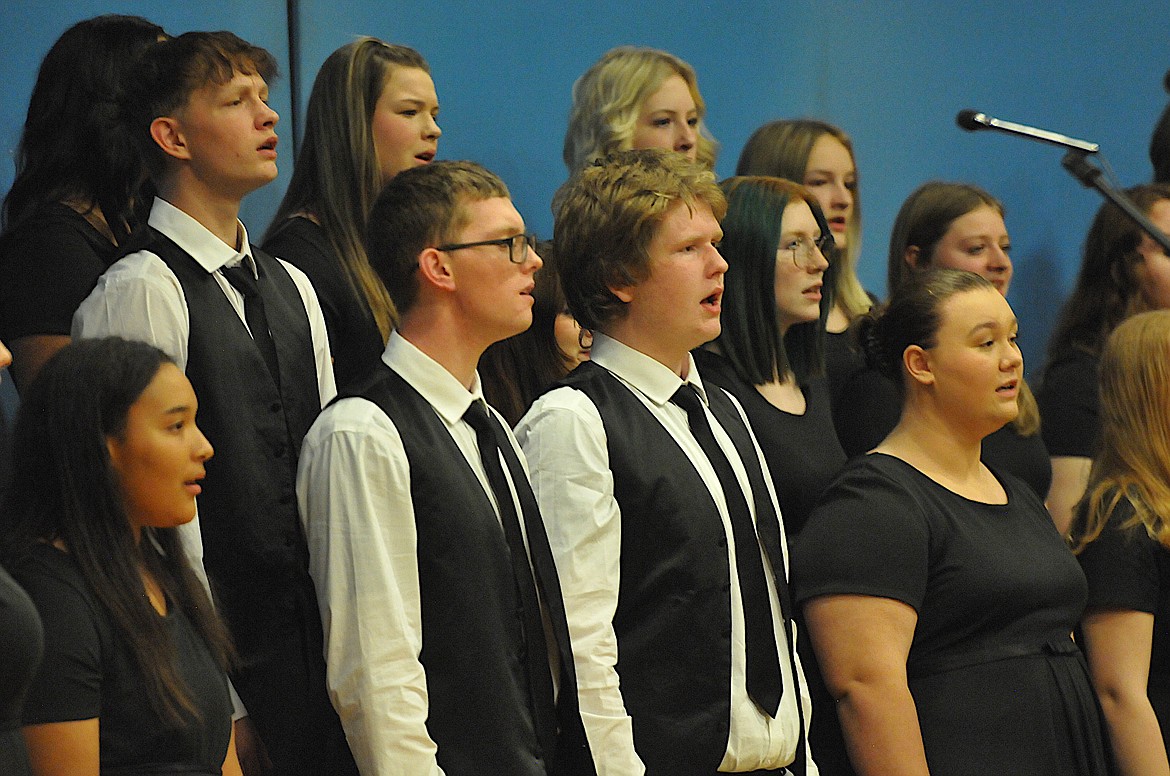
x=1070, y=475
x=862, y=643
x=1118, y=643
x=63, y=748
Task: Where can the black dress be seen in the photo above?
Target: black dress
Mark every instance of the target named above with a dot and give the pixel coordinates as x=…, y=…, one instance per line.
x=997, y=681
x=1128, y=570
x=48, y=266
x=870, y=406
x=1070, y=405
x=354, y=338
x=89, y=672
x=21, y=645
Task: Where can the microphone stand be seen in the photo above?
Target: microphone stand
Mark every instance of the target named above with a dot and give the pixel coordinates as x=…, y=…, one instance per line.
x=1077, y=163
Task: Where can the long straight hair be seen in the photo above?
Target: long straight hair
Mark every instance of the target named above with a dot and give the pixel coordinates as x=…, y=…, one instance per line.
x=750, y=337
x=65, y=490
x=74, y=147
x=337, y=176
x=1134, y=462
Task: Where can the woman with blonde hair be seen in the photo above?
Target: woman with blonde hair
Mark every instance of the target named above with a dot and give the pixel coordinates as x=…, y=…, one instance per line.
x=1122, y=535
x=635, y=97
x=372, y=114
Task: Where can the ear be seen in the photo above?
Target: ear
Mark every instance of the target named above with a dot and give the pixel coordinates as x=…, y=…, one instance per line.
x=167, y=133
x=113, y=449
x=911, y=256
x=434, y=269
x=624, y=293
x=917, y=363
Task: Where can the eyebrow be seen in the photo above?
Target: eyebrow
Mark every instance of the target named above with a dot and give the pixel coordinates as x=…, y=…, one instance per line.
x=1013, y=324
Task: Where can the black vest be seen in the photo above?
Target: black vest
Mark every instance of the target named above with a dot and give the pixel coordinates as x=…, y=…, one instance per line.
x=472, y=635
x=673, y=619
x=254, y=551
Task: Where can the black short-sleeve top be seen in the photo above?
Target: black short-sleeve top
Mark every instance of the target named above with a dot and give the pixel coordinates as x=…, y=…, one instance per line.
x=1070, y=406
x=1127, y=569
x=88, y=671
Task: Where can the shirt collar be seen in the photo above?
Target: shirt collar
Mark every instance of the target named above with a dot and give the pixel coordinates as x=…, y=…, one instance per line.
x=205, y=248
x=431, y=379
x=653, y=379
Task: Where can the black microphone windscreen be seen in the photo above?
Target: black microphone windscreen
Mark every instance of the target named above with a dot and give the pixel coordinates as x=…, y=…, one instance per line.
x=969, y=120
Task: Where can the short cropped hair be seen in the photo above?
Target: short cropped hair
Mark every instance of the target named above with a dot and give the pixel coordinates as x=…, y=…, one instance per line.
x=420, y=208
x=173, y=69
x=608, y=98
x=607, y=214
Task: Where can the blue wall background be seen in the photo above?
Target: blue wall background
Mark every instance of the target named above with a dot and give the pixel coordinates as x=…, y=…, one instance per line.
x=893, y=74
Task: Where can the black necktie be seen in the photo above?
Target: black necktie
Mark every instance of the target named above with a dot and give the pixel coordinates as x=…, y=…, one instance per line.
x=764, y=683
x=536, y=646
x=243, y=281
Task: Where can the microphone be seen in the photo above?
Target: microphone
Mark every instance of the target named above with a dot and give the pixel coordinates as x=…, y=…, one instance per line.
x=972, y=120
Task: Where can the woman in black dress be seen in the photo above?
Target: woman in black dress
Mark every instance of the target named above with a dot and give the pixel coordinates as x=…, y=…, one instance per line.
x=939, y=597
x=372, y=114
x=108, y=462
x=76, y=194
x=1122, y=534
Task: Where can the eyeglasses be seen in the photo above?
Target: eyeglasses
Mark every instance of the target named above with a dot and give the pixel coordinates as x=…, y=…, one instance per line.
x=518, y=246
x=802, y=249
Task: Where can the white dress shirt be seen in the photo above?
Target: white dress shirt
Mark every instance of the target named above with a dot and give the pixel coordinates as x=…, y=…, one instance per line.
x=139, y=298
x=565, y=441
x=353, y=486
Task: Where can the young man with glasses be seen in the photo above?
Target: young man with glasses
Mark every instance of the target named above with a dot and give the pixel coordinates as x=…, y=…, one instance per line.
x=445, y=633
x=659, y=506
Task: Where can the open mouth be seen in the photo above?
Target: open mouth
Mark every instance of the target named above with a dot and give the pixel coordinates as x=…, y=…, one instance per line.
x=426, y=157
x=712, y=302
x=1008, y=387
x=269, y=145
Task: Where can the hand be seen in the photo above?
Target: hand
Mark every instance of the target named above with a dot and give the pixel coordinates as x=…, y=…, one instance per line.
x=250, y=749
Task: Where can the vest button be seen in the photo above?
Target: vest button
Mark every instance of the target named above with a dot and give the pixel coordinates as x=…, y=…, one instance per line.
x=279, y=451
x=274, y=407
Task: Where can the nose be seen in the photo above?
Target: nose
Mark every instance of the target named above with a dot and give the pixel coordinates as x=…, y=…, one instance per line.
x=534, y=259
x=1013, y=359
x=819, y=262
x=203, y=448
x=720, y=263
x=5, y=356
x=267, y=116
x=685, y=138
x=998, y=259
x=433, y=130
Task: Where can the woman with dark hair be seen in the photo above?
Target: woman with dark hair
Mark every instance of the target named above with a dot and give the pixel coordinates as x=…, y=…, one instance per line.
x=1122, y=535
x=76, y=194
x=776, y=297
x=777, y=293
x=939, y=598
x=820, y=156
x=1123, y=272
x=108, y=464
x=514, y=371
x=372, y=114
x=955, y=226
x=21, y=644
